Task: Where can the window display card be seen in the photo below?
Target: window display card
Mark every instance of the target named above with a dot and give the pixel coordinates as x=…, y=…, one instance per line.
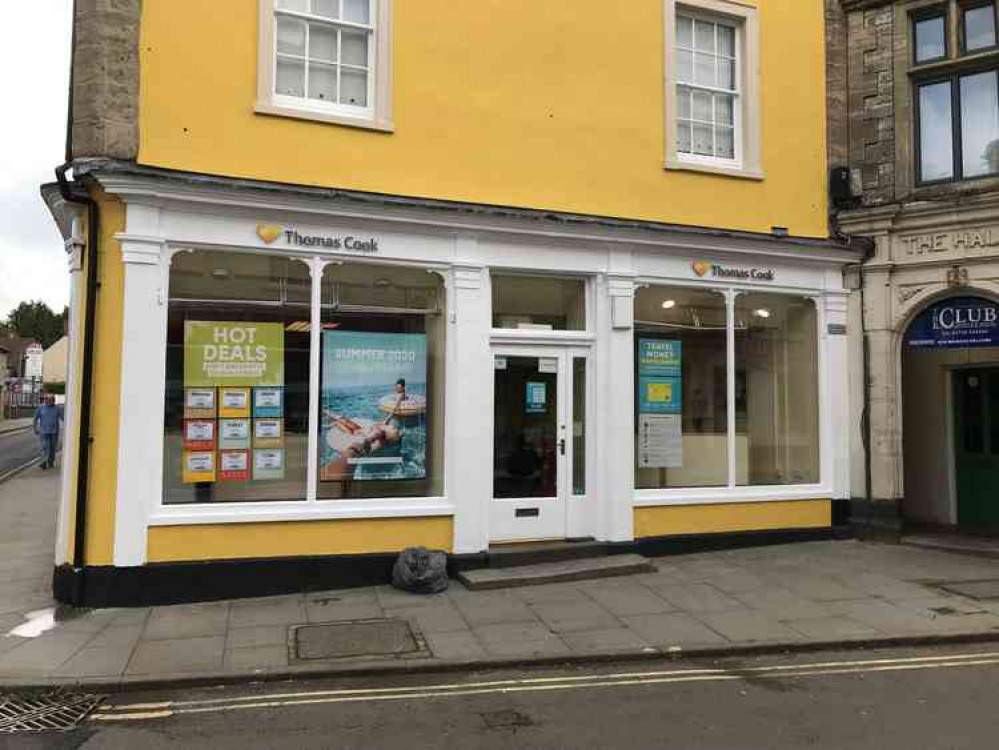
x=199, y=403
x=234, y=402
x=268, y=402
x=660, y=441
x=234, y=466
x=268, y=433
x=268, y=463
x=198, y=466
x=199, y=434
x=234, y=434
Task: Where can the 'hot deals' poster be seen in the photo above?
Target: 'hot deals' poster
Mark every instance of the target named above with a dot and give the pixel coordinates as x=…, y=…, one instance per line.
x=374, y=397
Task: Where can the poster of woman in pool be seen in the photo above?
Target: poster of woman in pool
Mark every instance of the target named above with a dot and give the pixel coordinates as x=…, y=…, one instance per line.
x=374, y=406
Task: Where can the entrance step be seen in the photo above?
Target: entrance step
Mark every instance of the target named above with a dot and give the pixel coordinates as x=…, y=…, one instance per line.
x=513, y=555
x=968, y=545
x=555, y=572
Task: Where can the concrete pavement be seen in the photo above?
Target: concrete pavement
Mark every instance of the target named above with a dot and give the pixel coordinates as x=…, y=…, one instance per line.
x=774, y=598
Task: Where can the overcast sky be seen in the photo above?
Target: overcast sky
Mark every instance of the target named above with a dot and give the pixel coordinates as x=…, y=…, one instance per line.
x=34, y=72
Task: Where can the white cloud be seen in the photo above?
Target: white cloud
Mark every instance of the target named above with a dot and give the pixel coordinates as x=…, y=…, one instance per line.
x=35, y=65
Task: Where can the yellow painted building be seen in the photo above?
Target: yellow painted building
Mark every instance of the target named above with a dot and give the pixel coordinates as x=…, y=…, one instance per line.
x=352, y=276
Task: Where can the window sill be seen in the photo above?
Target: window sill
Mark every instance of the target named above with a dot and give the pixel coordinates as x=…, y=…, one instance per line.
x=730, y=495
x=300, y=510
x=740, y=173
x=311, y=115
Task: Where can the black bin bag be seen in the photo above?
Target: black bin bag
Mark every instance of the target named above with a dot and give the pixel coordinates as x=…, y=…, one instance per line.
x=420, y=571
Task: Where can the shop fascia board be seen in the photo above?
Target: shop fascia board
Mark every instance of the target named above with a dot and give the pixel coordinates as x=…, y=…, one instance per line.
x=243, y=198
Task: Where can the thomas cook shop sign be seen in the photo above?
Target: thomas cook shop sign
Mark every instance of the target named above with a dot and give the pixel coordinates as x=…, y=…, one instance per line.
x=271, y=233
x=956, y=323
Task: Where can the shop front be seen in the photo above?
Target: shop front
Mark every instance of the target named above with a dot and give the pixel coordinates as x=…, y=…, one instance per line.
x=306, y=386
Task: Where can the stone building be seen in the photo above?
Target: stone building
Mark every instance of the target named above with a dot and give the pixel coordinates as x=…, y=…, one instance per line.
x=914, y=128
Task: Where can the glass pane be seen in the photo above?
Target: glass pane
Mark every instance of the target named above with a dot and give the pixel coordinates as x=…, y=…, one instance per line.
x=354, y=87
x=931, y=39
x=579, y=426
x=684, y=31
x=290, y=77
x=684, y=66
x=994, y=410
x=355, y=48
x=704, y=36
x=704, y=69
x=291, y=37
x=703, y=140
x=980, y=124
x=322, y=43
x=776, y=391
x=724, y=142
x=726, y=40
x=936, y=144
x=724, y=109
x=683, y=102
x=681, y=415
x=322, y=82
x=726, y=74
x=979, y=28
x=381, y=383
x=683, y=137
x=525, y=459
x=300, y=6
x=357, y=11
x=237, y=380
x=326, y=8
x=972, y=424
x=539, y=303
x=702, y=106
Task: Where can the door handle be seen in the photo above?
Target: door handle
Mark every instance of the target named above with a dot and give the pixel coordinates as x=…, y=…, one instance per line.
x=561, y=446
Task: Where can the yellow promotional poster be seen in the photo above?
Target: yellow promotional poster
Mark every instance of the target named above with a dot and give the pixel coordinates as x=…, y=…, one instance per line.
x=234, y=403
x=199, y=466
x=224, y=353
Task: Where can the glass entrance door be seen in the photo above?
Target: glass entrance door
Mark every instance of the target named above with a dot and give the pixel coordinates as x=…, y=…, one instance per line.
x=976, y=449
x=539, y=443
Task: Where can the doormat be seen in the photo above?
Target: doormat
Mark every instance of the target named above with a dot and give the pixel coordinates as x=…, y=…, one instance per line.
x=982, y=590
x=360, y=639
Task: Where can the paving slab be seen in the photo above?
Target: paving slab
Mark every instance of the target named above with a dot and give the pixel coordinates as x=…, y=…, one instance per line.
x=674, y=629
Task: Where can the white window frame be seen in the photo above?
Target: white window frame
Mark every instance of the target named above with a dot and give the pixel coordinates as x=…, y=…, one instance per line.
x=377, y=115
x=747, y=162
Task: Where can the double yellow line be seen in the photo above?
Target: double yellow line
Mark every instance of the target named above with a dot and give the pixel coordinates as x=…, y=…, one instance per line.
x=166, y=709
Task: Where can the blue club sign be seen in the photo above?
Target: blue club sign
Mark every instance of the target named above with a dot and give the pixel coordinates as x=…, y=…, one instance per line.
x=957, y=322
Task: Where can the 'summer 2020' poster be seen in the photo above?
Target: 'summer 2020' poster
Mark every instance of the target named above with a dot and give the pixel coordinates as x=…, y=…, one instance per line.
x=374, y=406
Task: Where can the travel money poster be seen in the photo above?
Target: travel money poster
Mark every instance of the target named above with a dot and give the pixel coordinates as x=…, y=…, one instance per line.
x=226, y=364
x=660, y=403
x=374, y=406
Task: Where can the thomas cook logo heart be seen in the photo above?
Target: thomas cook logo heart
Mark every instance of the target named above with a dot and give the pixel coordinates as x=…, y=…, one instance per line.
x=701, y=267
x=269, y=232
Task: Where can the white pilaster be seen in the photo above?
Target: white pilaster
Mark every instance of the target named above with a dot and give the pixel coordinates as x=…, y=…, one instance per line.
x=143, y=367
x=615, y=444
x=834, y=394
x=469, y=405
x=70, y=440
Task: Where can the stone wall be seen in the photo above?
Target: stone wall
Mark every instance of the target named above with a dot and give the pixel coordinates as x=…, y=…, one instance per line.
x=105, y=79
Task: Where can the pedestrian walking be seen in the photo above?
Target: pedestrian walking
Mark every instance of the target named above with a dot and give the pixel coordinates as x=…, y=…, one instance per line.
x=48, y=420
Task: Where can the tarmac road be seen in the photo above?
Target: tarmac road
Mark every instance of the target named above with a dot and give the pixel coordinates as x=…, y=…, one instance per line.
x=887, y=699
x=17, y=448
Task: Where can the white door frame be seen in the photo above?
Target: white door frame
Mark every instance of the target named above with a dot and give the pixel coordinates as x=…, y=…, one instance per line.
x=546, y=518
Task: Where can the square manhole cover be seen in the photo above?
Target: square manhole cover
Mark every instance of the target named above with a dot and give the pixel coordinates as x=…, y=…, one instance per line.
x=343, y=640
x=974, y=589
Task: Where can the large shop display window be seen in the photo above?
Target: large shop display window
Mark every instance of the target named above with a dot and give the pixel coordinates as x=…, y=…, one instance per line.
x=237, y=379
x=381, y=383
x=683, y=378
x=777, y=375
x=681, y=389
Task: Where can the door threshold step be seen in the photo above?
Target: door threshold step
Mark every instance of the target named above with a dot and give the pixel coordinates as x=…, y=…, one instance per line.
x=968, y=545
x=511, y=555
x=486, y=579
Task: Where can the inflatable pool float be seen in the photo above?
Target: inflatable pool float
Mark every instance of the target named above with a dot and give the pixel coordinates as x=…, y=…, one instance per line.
x=411, y=406
x=338, y=438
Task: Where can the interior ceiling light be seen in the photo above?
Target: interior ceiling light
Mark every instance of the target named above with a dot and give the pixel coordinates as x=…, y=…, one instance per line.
x=669, y=304
x=383, y=282
x=762, y=313
x=220, y=273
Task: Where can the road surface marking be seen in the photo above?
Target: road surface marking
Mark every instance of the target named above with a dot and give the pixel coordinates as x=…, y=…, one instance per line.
x=146, y=711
